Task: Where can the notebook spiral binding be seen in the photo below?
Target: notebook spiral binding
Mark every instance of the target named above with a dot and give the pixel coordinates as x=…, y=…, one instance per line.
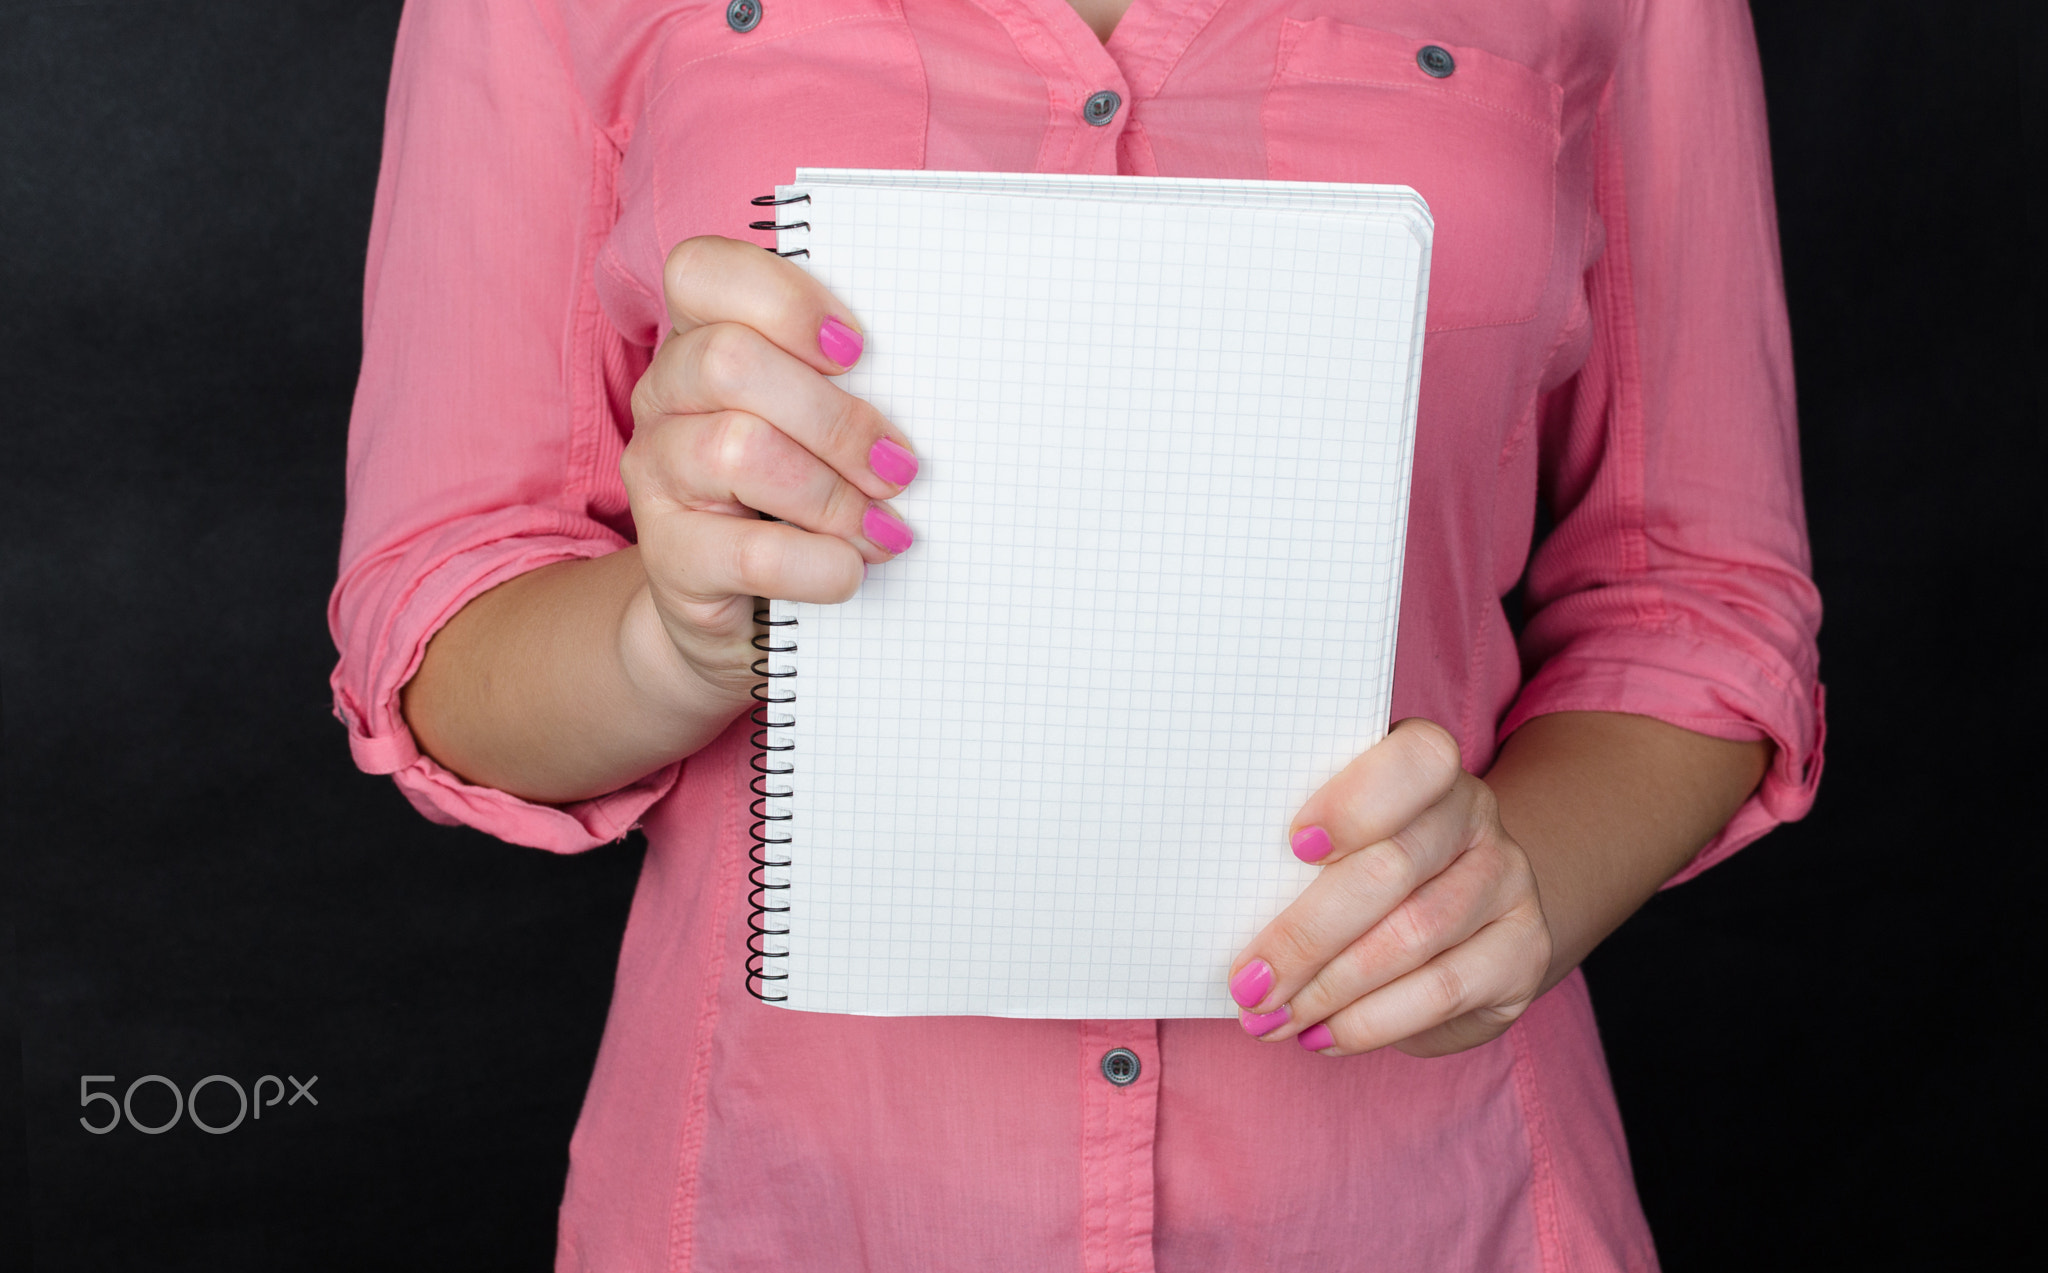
x=770, y=201
x=766, y=853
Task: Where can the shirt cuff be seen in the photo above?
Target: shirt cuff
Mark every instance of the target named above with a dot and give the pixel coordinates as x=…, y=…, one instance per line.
x=1709, y=689
x=382, y=743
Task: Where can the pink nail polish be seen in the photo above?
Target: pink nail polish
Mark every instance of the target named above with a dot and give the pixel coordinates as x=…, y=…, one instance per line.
x=1311, y=844
x=884, y=531
x=891, y=462
x=1251, y=983
x=1316, y=1038
x=1260, y=1024
x=840, y=343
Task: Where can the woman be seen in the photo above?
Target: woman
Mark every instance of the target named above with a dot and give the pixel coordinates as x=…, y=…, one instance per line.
x=575, y=387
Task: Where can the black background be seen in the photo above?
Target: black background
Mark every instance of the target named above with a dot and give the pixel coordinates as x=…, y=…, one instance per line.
x=1818, y=1046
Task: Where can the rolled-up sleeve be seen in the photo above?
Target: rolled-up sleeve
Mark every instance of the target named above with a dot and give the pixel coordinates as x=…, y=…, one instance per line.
x=1676, y=581
x=486, y=430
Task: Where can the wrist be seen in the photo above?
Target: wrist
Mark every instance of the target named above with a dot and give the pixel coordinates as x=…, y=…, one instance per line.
x=1607, y=807
x=665, y=682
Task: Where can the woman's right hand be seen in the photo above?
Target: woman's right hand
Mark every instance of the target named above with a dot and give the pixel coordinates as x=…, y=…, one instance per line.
x=574, y=679
x=737, y=413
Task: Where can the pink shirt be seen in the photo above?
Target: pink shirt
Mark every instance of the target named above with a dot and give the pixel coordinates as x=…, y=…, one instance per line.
x=1607, y=332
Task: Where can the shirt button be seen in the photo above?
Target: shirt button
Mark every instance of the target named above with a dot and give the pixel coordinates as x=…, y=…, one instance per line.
x=743, y=15
x=1101, y=108
x=1435, y=61
x=1120, y=1066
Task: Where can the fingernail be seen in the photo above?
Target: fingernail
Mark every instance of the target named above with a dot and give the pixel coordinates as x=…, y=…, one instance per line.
x=885, y=532
x=1260, y=1024
x=891, y=462
x=1316, y=1038
x=1311, y=844
x=840, y=343
x=1251, y=983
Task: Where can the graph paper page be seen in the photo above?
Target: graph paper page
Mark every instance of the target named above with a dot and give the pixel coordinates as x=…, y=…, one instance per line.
x=1044, y=763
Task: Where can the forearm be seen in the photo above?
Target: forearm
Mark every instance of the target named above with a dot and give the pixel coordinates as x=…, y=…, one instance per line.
x=561, y=684
x=1608, y=807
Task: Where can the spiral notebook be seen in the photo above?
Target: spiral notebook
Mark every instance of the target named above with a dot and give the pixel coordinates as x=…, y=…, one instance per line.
x=1043, y=765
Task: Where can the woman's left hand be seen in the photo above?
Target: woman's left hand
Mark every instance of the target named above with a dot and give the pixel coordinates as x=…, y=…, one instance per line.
x=1424, y=929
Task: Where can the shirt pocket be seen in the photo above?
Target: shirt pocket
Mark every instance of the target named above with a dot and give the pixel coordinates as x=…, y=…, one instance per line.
x=730, y=114
x=1351, y=103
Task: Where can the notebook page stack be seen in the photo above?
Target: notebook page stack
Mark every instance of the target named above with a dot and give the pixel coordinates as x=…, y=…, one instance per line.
x=1043, y=765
